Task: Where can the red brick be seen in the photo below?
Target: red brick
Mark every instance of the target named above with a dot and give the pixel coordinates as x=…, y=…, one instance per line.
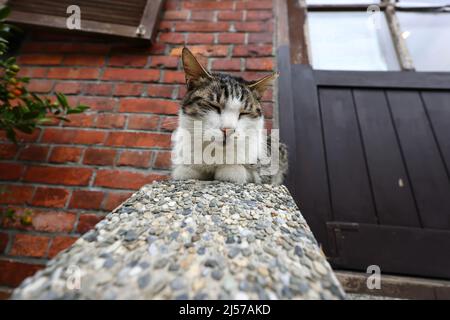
x=201, y=26
x=73, y=73
x=29, y=246
x=260, y=38
x=140, y=159
x=86, y=199
x=68, y=87
x=165, y=26
x=12, y=273
x=34, y=153
x=138, y=139
x=128, y=89
x=59, y=244
x=228, y=64
x=4, y=239
x=203, y=50
x=110, y=121
x=33, y=72
x=40, y=59
x=254, y=75
x=98, y=103
x=230, y=15
x=237, y=38
x=87, y=222
x=58, y=175
x=72, y=136
x=41, y=220
x=259, y=15
x=16, y=194
x=25, y=137
x=181, y=92
x=200, y=38
x=166, y=62
x=163, y=160
x=169, y=123
x=202, y=16
x=268, y=95
x=143, y=122
x=99, y=157
x=162, y=91
x=80, y=120
x=84, y=60
x=65, y=154
x=255, y=4
x=10, y=171
x=171, y=37
x=176, y=15
x=8, y=151
x=268, y=125
x=268, y=110
x=40, y=86
x=99, y=89
x=252, y=26
x=174, y=77
x=148, y=105
x=50, y=197
x=65, y=47
x=157, y=48
x=143, y=75
x=208, y=5
x=128, y=60
x=262, y=64
x=53, y=221
x=121, y=179
x=114, y=199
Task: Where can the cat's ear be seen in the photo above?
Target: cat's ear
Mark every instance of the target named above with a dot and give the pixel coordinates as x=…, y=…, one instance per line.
x=193, y=70
x=259, y=86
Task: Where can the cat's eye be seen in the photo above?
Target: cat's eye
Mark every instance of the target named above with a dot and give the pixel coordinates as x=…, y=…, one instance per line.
x=216, y=108
x=243, y=114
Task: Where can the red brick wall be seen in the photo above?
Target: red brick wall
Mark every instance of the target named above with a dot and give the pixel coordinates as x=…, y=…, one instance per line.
x=69, y=175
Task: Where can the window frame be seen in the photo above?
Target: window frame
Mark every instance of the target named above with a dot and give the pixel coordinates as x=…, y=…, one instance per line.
x=297, y=13
x=144, y=31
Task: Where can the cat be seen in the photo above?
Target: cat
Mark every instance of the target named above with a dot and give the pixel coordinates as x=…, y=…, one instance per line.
x=229, y=109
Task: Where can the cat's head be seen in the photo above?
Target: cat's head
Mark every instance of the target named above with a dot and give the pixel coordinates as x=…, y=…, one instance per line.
x=224, y=103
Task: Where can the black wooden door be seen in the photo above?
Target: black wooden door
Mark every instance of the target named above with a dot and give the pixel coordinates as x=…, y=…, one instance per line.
x=369, y=165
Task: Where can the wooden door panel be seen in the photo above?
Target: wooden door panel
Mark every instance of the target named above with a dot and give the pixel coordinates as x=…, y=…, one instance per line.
x=372, y=157
x=349, y=182
x=396, y=250
x=390, y=182
x=429, y=178
x=437, y=105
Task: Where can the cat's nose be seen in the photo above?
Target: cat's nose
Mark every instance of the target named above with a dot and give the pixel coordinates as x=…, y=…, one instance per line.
x=227, y=131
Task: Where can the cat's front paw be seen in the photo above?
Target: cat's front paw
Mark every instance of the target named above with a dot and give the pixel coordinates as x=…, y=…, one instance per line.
x=186, y=173
x=231, y=173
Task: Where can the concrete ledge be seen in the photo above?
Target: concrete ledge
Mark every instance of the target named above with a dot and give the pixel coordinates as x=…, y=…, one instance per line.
x=401, y=287
x=193, y=240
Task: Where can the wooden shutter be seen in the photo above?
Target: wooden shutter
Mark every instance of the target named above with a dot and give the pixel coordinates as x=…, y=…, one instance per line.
x=135, y=19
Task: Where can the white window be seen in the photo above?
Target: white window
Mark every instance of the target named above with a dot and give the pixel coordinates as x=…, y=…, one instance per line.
x=427, y=36
x=351, y=41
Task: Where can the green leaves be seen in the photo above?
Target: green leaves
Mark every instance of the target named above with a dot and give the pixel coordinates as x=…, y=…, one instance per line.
x=4, y=12
x=21, y=110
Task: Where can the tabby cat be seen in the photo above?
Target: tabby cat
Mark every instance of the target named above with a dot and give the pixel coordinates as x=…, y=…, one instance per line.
x=227, y=109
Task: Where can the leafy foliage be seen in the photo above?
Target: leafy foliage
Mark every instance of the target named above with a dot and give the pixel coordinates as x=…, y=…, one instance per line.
x=20, y=109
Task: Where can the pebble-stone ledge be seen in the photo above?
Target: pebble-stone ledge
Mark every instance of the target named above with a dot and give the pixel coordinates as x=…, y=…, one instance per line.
x=193, y=240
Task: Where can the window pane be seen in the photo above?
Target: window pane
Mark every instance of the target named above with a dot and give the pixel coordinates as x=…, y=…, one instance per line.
x=351, y=41
x=342, y=1
x=428, y=38
x=423, y=3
